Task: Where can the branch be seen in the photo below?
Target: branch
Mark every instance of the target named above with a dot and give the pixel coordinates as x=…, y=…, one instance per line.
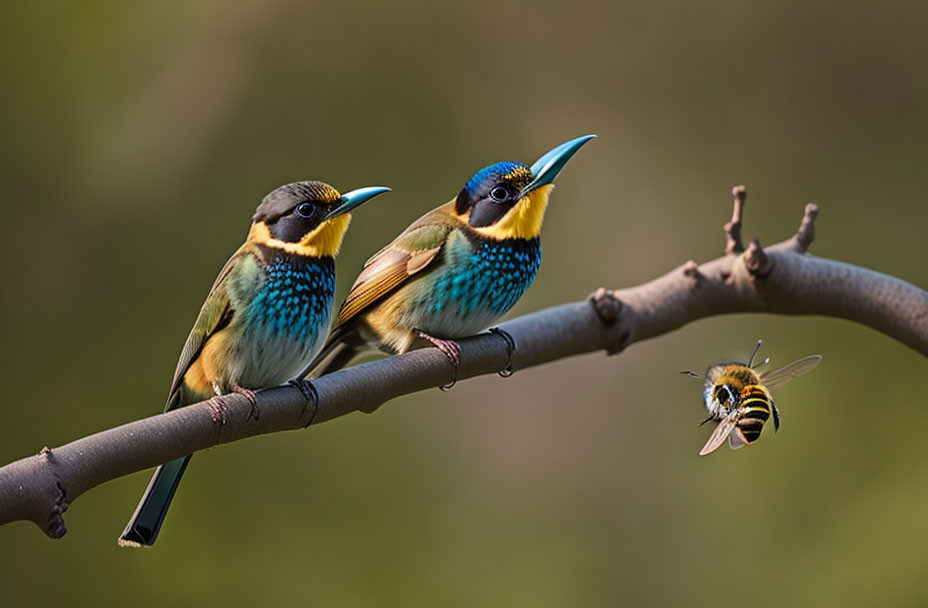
x=782, y=279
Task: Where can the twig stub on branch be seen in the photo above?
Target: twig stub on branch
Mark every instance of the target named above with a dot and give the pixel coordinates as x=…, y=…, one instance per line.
x=805, y=234
x=691, y=270
x=732, y=229
x=756, y=260
x=606, y=305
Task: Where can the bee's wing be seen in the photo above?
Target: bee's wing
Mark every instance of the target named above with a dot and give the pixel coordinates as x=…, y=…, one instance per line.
x=779, y=377
x=718, y=436
x=736, y=439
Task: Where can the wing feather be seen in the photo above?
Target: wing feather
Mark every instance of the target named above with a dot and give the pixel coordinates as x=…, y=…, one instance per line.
x=215, y=314
x=411, y=253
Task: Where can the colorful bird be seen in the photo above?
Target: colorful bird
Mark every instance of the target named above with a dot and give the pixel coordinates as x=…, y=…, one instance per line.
x=454, y=271
x=265, y=317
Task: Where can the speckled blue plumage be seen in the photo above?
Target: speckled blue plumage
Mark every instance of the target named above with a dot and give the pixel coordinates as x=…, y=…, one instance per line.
x=490, y=278
x=490, y=174
x=295, y=299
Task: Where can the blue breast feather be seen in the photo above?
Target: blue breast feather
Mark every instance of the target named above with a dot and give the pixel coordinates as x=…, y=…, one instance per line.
x=491, y=278
x=295, y=300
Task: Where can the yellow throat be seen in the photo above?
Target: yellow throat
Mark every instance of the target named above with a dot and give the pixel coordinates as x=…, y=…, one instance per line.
x=524, y=220
x=325, y=240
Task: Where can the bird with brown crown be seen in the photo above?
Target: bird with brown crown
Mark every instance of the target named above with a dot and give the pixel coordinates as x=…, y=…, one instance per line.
x=265, y=317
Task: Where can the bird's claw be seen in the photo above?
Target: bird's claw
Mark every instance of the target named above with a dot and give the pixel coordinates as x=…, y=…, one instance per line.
x=309, y=392
x=449, y=348
x=217, y=410
x=447, y=387
x=452, y=350
x=510, y=349
x=252, y=399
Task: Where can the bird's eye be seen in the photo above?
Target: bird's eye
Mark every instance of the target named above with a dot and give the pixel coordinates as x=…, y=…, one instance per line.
x=500, y=194
x=305, y=209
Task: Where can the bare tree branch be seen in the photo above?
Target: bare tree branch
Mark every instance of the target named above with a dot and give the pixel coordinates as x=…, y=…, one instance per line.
x=781, y=279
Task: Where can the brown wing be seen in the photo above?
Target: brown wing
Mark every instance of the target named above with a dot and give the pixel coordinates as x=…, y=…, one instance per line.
x=411, y=253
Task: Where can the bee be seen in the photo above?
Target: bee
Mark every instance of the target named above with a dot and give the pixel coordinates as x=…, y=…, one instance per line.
x=738, y=397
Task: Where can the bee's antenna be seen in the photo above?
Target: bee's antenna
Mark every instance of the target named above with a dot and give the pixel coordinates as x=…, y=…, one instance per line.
x=691, y=374
x=754, y=352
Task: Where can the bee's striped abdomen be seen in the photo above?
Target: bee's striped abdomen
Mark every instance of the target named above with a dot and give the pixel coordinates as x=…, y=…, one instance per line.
x=755, y=402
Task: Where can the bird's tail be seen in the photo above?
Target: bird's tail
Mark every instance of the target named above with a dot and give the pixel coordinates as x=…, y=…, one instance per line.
x=145, y=524
x=339, y=349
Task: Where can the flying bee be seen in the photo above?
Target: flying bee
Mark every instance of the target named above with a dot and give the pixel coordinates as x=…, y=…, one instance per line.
x=738, y=397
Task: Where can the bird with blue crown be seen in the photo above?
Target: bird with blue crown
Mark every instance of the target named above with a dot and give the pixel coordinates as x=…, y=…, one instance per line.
x=452, y=273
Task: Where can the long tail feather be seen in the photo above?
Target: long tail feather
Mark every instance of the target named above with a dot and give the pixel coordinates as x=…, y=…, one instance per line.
x=341, y=356
x=143, y=528
x=340, y=348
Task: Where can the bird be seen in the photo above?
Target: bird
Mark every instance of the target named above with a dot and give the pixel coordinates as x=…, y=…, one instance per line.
x=265, y=317
x=453, y=272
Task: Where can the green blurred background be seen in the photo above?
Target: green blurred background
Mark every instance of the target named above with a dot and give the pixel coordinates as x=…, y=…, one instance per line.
x=137, y=138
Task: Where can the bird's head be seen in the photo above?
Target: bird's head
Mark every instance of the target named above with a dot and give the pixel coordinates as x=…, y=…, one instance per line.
x=508, y=199
x=307, y=218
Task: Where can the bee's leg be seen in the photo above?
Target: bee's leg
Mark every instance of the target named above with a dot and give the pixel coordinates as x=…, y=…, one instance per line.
x=776, y=417
x=510, y=349
x=449, y=348
x=308, y=389
x=711, y=417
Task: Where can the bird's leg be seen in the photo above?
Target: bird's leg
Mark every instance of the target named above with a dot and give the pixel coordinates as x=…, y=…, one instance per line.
x=449, y=348
x=510, y=348
x=217, y=409
x=250, y=395
x=308, y=389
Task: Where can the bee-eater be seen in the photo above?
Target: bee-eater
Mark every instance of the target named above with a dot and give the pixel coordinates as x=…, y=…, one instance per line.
x=454, y=271
x=265, y=317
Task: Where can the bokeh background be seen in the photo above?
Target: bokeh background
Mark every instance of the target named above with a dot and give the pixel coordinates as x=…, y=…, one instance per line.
x=137, y=138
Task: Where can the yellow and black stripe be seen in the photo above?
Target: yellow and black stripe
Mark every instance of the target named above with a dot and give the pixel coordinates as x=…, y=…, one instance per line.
x=756, y=405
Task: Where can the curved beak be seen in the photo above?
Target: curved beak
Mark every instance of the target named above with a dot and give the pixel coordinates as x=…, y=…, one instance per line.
x=355, y=198
x=548, y=166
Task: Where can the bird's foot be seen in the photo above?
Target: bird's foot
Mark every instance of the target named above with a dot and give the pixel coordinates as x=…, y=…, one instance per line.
x=250, y=395
x=510, y=349
x=450, y=348
x=309, y=392
x=217, y=409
